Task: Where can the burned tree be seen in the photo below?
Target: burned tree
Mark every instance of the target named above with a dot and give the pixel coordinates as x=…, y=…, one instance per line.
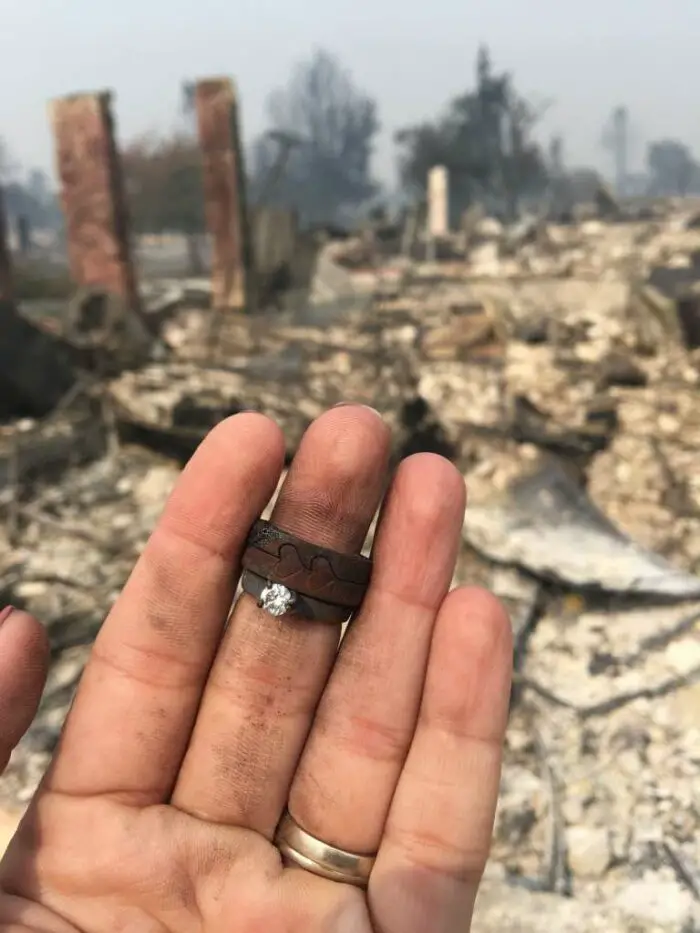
x=6, y=288
x=485, y=142
x=333, y=124
x=672, y=169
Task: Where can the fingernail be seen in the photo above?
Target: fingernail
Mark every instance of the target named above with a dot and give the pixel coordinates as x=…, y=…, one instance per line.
x=4, y=613
x=358, y=405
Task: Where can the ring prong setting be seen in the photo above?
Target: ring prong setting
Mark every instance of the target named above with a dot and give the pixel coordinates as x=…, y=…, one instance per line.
x=277, y=599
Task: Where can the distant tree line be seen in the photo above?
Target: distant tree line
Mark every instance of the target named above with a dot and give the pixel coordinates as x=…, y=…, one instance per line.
x=316, y=156
x=27, y=196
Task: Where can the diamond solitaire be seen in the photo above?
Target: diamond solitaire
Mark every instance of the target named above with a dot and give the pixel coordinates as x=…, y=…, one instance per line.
x=277, y=599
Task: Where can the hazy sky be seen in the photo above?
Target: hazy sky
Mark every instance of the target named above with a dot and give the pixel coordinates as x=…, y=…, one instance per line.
x=411, y=55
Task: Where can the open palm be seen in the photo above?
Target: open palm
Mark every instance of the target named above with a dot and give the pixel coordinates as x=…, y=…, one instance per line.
x=189, y=736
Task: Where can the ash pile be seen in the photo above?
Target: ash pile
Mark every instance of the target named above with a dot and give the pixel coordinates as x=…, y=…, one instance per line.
x=558, y=365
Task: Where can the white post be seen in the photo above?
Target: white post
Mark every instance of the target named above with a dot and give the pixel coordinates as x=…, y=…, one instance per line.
x=438, y=206
x=438, y=201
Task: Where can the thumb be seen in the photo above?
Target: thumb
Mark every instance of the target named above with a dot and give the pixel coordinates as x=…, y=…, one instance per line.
x=24, y=661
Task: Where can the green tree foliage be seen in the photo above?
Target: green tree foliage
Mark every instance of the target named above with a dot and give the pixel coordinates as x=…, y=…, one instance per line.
x=322, y=128
x=484, y=139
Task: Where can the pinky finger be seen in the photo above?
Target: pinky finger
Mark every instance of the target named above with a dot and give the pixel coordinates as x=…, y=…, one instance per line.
x=438, y=832
x=24, y=661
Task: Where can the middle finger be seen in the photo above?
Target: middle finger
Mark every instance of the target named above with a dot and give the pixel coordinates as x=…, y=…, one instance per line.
x=267, y=677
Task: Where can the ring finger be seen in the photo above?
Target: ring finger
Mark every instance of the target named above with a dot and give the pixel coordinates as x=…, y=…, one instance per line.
x=267, y=677
x=364, y=724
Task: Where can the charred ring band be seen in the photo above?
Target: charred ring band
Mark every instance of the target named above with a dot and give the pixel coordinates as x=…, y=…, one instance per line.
x=278, y=600
x=305, y=568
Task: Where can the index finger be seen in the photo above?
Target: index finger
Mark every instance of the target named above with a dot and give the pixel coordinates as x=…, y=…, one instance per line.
x=24, y=661
x=151, y=659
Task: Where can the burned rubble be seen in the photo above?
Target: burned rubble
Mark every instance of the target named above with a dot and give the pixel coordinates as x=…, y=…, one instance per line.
x=557, y=365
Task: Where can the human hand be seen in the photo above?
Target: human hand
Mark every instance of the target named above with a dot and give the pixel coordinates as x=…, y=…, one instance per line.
x=188, y=737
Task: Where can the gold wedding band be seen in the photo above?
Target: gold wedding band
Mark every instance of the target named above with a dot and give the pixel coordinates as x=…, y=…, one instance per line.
x=318, y=857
